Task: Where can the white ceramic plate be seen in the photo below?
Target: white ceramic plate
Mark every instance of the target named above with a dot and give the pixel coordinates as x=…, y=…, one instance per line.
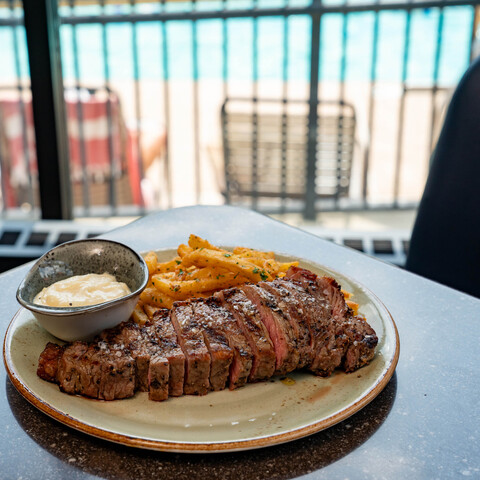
x=254, y=416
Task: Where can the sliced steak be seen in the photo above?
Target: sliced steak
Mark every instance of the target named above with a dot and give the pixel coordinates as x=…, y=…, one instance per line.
x=158, y=369
x=158, y=376
x=221, y=354
x=322, y=333
x=128, y=335
x=240, y=334
x=362, y=341
x=190, y=338
x=171, y=350
x=96, y=370
x=335, y=330
x=248, y=319
x=48, y=362
x=152, y=368
x=242, y=353
x=278, y=326
x=290, y=306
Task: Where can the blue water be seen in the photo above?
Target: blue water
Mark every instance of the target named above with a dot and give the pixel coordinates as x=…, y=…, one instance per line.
x=453, y=55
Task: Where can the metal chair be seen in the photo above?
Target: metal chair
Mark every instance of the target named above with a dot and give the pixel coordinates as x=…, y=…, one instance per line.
x=445, y=243
x=265, y=145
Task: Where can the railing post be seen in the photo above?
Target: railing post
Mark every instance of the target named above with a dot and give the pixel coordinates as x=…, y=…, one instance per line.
x=42, y=30
x=310, y=181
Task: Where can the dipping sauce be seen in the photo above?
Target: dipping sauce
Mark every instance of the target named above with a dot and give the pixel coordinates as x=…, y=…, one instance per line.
x=82, y=290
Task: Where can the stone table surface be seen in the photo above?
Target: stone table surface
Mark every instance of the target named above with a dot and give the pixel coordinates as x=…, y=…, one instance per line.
x=424, y=424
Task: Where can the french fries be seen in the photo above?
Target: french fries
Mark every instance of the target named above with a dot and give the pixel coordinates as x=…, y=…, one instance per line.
x=199, y=270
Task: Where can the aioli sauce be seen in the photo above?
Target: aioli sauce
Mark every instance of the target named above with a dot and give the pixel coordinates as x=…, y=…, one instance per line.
x=82, y=290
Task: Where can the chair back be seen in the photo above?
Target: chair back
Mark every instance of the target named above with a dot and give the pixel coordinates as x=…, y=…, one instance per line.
x=265, y=144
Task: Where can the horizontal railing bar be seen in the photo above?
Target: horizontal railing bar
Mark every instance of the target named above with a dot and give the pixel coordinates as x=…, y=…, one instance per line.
x=251, y=13
x=318, y=8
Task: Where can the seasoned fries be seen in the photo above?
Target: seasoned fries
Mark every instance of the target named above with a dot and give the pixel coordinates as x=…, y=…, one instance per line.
x=199, y=270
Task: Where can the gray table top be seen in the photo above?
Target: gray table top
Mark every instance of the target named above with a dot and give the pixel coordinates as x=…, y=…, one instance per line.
x=425, y=423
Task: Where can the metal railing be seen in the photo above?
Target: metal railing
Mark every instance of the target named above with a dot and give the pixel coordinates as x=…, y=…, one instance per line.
x=188, y=109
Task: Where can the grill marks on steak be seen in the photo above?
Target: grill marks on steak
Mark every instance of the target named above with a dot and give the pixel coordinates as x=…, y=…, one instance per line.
x=246, y=333
x=242, y=353
x=221, y=354
x=279, y=328
x=336, y=331
x=253, y=329
x=167, y=339
x=289, y=306
x=190, y=337
x=96, y=370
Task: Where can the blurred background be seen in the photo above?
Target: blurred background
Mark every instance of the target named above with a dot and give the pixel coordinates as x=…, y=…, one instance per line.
x=323, y=114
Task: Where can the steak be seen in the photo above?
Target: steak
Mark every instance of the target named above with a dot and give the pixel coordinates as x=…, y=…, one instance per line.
x=242, y=353
x=221, y=354
x=336, y=330
x=167, y=339
x=289, y=305
x=278, y=326
x=96, y=370
x=190, y=338
x=248, y=333
x=248, y=319
x=146, y=347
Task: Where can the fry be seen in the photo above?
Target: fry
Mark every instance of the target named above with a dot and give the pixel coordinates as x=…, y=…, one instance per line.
x=139, y=315
x=183, y=250
x=283, y=267
x=151, y=261
x=230, y=261
x=149, y=310
x=250, y=252
x=181, y=290
x=195, y=242
x=168, y=266
x=152, y=296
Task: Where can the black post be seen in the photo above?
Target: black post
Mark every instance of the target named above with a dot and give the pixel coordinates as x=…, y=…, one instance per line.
x=311, y=170
x=42, y=30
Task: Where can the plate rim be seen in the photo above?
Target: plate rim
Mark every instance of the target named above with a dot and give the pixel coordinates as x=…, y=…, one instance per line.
x=216, y=446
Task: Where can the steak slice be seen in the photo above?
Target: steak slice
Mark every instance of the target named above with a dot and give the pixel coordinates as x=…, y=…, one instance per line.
x=248, y=319
x=128, y=335
x=335, y=330
x=317, y=316
x=152, y=368
x=167, y=338
x=290, y=305
x=278, y=326
x=221, y=354
x=242, y=353
x=96, y=370
x=190, y=338
x=158, y=370
x=48, y=362
x=362, y=341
